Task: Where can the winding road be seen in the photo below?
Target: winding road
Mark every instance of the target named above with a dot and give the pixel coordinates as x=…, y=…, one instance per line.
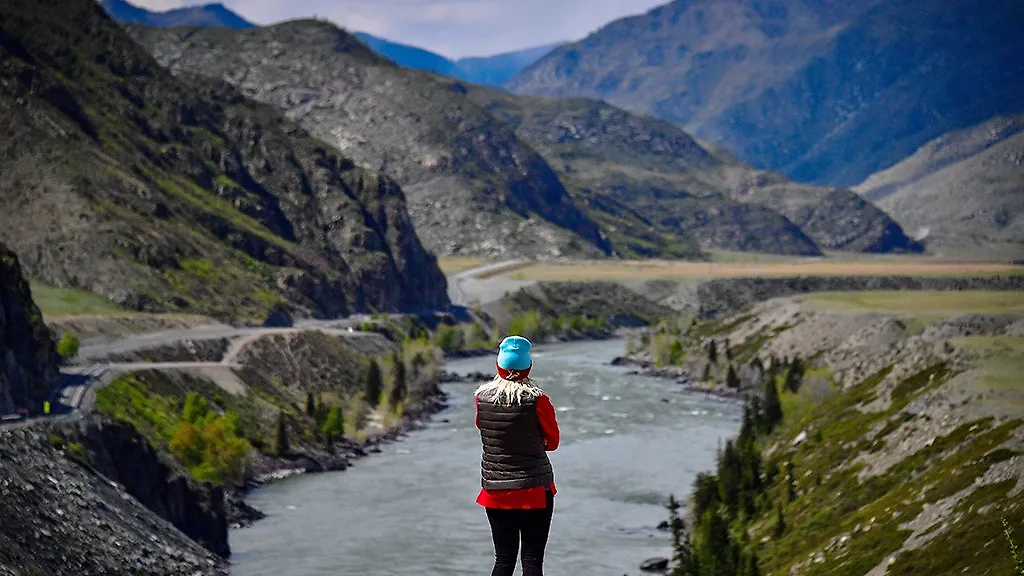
x=76, y=393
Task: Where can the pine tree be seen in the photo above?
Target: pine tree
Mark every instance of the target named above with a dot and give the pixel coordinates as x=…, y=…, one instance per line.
x=780, y=521
x=731, y=379
x=730, y=476
x=795, y=375
x=310, y=405
x=790, y=483
x=772, y=414
x=705, y=493
x=706, y=376
x=398, y=389
x=713, y=352
x=728, y=350
x=281, y=447
x=374, y=384
x=715, y=551
x=682, y=549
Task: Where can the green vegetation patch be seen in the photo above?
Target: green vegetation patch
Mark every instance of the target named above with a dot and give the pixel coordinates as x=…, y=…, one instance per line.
x=53, y=301
x=933, y=303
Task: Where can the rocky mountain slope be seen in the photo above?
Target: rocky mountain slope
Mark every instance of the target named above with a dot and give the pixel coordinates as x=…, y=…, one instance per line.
x=28, y=358
x=216, y=15
x=473, y=186
x=63, y=519
x=962, y=191
x=493, y=70
x=824, y=92
x=894, y=446
x=655, y=168
x=167, y=193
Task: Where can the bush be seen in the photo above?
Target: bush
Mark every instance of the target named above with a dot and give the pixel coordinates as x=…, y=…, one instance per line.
x=56, y=441
x=68, y=346
x=449, y=338
x=78, y=453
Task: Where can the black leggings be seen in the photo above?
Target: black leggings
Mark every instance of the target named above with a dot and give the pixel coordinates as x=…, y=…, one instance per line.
x=508, y=526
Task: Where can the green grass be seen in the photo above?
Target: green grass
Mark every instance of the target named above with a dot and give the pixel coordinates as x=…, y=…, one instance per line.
x=926, y=302
x=53, y=301
x=1002, y=362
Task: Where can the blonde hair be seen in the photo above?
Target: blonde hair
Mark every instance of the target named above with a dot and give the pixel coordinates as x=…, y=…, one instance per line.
x=509, y=392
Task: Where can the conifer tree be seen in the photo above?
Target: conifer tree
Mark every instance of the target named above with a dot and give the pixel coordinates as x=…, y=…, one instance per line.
x=713, y=352
x=728, y=350
x=398, y=389
x=281, y=447
x=310, y=405
x=772, y=414
x=374, y=384
x=706, y=376
x=682, y=549
x=790, y=483
x=731, y=379
x=795, y=375
x=780, y=521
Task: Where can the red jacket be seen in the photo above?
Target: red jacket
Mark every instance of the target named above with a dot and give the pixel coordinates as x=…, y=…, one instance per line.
x=525, y=498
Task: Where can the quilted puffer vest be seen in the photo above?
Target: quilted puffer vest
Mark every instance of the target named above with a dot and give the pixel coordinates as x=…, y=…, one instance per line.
x=513, y=446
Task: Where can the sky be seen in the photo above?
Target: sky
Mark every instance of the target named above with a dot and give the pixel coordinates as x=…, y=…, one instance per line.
x=452, y=28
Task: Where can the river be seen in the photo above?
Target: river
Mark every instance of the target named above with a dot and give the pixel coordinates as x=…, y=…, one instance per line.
x=627, y=443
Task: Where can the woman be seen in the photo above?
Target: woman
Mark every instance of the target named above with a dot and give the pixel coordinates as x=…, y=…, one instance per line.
x=517, y=429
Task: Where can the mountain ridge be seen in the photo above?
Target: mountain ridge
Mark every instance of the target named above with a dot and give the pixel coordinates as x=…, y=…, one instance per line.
x=179, y=194
x=823, y=92
x=213, y=14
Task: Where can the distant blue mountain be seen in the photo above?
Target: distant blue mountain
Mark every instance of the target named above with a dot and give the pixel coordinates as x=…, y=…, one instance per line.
x=408, y=56
x=493, y=70
x=208, y=15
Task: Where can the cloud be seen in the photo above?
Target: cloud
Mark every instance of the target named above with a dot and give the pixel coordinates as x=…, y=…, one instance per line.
x=454, y=28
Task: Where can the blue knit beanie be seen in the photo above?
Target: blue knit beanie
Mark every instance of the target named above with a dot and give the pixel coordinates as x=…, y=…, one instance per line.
x=514, y=353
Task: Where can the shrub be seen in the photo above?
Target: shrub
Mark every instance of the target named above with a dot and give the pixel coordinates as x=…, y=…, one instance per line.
x=68, y=346
x=374, y=384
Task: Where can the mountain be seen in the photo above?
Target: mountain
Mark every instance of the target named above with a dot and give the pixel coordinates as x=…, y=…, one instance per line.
x=215, y=15
x=963, y=191
x=165, y=193
x=474, y=187
x=492, y=70
x=409, y=56
x=500, y=68
x=668, y=178
x=29, y=368
x=822, y=91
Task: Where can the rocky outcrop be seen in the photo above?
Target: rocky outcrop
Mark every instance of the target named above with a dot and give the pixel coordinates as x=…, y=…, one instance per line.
x=121, y=454
x=28, y=359
x=60, y=518
x=179, y=194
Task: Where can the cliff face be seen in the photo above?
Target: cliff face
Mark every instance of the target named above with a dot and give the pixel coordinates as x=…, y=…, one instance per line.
x=121, y=454
x=28, y=360
x=166, y=193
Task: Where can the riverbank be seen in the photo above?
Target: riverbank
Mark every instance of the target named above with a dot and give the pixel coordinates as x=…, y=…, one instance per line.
x=271, y=470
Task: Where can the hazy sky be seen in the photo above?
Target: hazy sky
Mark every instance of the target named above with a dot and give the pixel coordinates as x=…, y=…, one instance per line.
x=454, y=28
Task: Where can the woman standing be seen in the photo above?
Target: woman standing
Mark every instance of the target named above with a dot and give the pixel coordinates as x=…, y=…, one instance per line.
x=517, y=428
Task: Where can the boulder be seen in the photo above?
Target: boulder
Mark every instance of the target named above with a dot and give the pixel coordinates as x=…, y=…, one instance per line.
x=656, y=564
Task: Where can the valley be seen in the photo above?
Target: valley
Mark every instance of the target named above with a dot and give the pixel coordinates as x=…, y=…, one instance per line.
x=769, y=255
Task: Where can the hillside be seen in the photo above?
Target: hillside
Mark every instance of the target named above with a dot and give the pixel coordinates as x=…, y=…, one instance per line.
x=963, y=191
x=882, y=432
x=409, y=56
x=823, y=92
x=216, y=15
x=655, y=168
x=166, y=193
x=29, y=368
x=474, y=187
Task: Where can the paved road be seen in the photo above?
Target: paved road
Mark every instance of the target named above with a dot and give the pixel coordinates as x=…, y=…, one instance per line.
x=463, y=288
x=76, y=393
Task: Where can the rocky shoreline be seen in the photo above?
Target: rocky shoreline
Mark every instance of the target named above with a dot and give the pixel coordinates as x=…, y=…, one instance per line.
x=242, y=515
x=680, y=375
